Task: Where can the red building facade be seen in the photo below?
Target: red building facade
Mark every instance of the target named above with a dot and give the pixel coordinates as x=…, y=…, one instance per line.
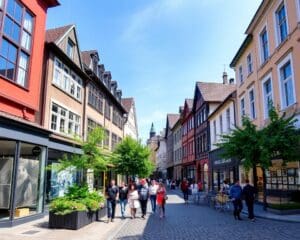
x=23, y=141
x=188, y=149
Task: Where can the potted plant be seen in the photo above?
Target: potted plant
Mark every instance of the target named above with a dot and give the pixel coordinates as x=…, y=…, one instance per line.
x=76, y=209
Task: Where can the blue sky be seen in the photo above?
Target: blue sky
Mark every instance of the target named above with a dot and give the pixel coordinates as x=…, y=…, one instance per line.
x=158, y=49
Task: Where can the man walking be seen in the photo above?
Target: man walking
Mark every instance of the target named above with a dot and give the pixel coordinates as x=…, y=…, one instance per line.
x=185, y=190
x=236, y=196
x=112, y=194
x=143, y=195
x=249, y=193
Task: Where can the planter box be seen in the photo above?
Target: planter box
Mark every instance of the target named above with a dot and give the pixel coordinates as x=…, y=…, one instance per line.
x=74, y=220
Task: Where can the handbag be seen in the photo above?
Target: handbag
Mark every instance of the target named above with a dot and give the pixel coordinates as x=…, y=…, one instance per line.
x=166, y=197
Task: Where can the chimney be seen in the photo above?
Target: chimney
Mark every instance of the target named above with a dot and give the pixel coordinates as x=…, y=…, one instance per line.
x=231, y=81
x=225, y=78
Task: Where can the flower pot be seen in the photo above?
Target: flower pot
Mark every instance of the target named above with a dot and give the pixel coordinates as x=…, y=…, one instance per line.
x=74, y=220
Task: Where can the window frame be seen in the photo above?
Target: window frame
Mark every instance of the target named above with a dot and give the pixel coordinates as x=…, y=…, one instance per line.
x=18, y=44
x=280, y=65
x=264, y=59
x=264, y=80
x=249, y=64
x=242, y=111
x=66, y=118
x=252, y=102
x=228, y=119
x=71, y=44
x=241, y=74
x=277, y=24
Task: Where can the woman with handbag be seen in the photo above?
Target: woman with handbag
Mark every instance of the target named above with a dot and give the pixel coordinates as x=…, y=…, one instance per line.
x=133, y=199
x=161, y=198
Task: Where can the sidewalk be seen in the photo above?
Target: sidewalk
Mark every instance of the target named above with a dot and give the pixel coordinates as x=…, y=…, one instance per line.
x=37, y=230
x=260, y=213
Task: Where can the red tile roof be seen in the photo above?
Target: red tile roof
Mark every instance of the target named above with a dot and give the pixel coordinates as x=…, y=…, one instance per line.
x=215, y=92
x=54, y=34
x=127, y=103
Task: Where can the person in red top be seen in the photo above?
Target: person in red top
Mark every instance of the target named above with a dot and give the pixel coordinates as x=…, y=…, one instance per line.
x=185, y=190
x=161, y=197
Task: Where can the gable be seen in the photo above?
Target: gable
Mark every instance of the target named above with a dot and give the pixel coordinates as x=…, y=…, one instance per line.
x=62, y=43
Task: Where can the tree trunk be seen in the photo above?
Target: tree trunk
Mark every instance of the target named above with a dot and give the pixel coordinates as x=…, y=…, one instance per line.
x=265, y=204
x=254, y=176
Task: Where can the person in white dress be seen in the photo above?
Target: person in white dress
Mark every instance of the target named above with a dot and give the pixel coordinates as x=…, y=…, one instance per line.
x=133, y=199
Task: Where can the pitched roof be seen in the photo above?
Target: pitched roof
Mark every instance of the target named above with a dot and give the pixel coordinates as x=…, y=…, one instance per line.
x=189, y=102
x=172, y=118
x=54, y=34
x=86, y=56
x=215, y=92
x=127, y=103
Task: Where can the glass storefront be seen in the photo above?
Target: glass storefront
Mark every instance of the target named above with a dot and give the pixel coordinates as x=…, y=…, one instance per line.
x=7, y=160
x=21, y=179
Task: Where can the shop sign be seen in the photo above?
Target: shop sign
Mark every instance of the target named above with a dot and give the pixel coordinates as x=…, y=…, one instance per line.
x=222, y=161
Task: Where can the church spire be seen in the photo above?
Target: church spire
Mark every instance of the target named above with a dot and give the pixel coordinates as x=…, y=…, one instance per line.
x=152, y=131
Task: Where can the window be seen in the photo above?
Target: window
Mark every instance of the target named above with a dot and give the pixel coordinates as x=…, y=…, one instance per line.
x=249, y=64
x=215, y=130
x=107, y=137
x=267, y=96
x=287, y=85
x=16, y=42
x=228, y=119
x=243, y=112
x=221, y=124
x=241, y=76
x=92, y=125
x=70, y=49
x=114, y=141
x=64, y=121
x=95, y=98
x=117, y=119
x=107, y=110
x=264, y=45
x=252, y=104
x=66, y=80
x=281, y=24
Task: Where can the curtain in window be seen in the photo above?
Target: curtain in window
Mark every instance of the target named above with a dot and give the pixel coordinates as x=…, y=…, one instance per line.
x=26, y=40
x=22, y=69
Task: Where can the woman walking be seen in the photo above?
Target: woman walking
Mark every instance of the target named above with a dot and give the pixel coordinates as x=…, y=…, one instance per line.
x=161, y=197
x=133, y=199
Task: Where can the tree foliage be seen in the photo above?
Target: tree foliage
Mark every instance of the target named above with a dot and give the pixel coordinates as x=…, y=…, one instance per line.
x=94, y=157
x=278, y=140
x=131, y=158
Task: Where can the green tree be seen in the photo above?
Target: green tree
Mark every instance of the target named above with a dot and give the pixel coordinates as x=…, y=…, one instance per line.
x=278, y=140
x=93, y=157
x=131, y=158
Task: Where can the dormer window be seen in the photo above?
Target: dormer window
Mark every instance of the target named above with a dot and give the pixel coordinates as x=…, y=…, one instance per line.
x=70, y=48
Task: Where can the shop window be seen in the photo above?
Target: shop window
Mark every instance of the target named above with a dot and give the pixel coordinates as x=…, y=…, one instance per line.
x=6, y=172
x=30, y=180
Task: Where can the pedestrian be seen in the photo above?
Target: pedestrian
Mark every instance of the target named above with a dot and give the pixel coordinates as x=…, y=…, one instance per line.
x=194, y=190
x=123, y=192
x=173, y=185
x=112, y=193
x=249, y=194
x=143, y=196
x=133, y=199
x=185, y=190
x=225, y=188
x=236, y=197
x=152, y=192
x=161, y=199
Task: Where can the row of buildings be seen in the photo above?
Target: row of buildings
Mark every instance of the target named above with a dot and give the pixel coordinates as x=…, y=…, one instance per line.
x=267, y=73
x=50, y=92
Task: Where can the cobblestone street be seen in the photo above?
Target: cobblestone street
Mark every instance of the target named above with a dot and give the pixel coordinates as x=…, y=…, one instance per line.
x=201, y=222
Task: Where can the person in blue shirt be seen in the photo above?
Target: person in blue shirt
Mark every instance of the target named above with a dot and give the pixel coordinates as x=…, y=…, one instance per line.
x=236, y=197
